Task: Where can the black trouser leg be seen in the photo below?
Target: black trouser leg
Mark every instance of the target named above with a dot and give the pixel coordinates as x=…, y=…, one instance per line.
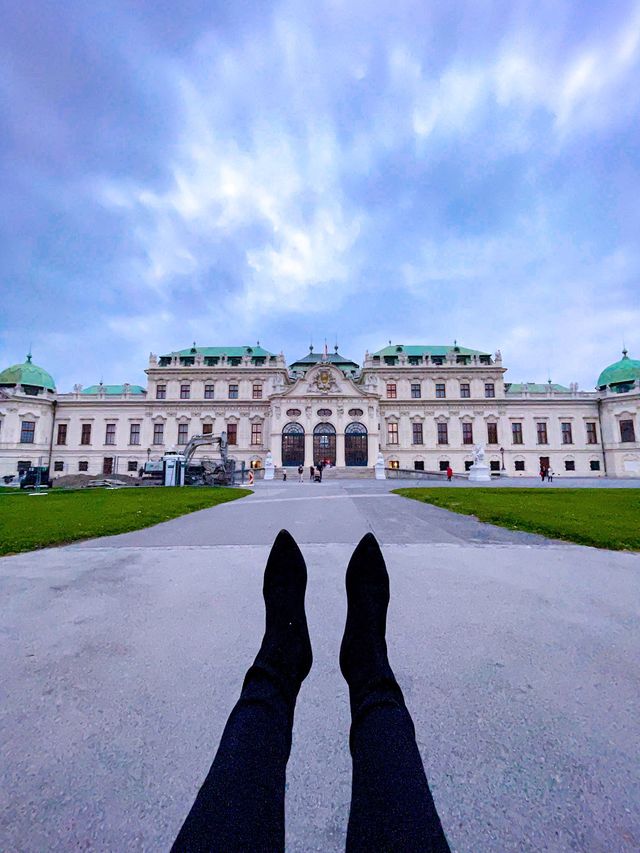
x=240, y=806
x=391, y=805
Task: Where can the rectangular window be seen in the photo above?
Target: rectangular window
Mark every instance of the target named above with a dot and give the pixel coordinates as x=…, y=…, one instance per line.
x=85, y=436
x=592, y=432
x=465, y=389
x=494, y=465
x=257, y=391
x=158, y=433
x=416, y=392
x=569, y=465
x=232, y=433
x=444, y=464
x=417, y=433
x=489, y=389
x=541, y=429
x=567, y=437
x=627, y=431
x=209, y=392
x=516, y=435
x=492, y=433
x=392, y=391
x=394, y=464
x=185, y=392
x=233, y=391
x=443, y=434
x=441, y=391
x=519, y=464
x=28, y=432
x=594, y=464
x=207, y=429
x=467, y=464
x=132, y=466
x=110, y=434
x=23, y=465
x=418, y=465
x=83, y=465
x=161, y=392
x=183, y=433
x=58, y=466
x=134, y=434
x=467, y=433
x=62, y=434
x=256, y=433
x=392, y=433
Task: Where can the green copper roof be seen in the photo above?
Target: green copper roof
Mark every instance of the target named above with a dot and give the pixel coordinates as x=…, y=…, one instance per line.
x=112, y=390
x=231, y=352
x=533, y=387
x=401, y=349
x=27, y=374
x=331, y=358
x=625, y=370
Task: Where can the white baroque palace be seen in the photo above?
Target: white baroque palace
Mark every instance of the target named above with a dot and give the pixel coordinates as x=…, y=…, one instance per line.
x=423, y=407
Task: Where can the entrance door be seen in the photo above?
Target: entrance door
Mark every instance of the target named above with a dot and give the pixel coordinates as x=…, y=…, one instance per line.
x=293, y=445
x=544, y=463
x=324, y=444
x=107, y=465
x=355, y=445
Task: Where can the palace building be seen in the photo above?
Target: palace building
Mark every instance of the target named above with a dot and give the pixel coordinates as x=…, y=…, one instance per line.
x=423, y=407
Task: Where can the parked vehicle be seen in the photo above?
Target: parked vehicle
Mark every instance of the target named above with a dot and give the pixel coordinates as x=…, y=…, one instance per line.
x=36, y=475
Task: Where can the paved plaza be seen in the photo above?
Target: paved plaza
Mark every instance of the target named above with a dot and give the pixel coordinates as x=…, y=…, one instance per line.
x=123, y=656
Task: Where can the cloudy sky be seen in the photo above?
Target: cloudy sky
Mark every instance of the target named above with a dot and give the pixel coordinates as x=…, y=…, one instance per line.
x=227, y=172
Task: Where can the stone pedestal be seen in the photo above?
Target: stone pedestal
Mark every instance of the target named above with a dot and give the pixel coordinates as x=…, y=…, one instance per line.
x=269, y=467
x=479, y=473
x=379, y=468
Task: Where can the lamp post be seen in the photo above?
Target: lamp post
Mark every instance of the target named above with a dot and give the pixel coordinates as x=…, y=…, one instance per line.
x=502, y=453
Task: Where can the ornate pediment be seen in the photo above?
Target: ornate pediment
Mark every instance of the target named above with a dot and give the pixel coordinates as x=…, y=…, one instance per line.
x=325, y=380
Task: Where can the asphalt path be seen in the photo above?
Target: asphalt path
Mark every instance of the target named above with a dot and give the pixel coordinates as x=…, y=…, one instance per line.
x=123, y=656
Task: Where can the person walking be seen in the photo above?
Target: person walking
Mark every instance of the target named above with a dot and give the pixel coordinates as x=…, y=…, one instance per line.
x=300, y=474
x=549, y=475
x=284, y=475
x=312, y=471
x=543, y=473
x=449, y=473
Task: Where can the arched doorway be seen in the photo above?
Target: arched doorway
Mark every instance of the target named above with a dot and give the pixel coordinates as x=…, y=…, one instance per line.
x=355, y=445
x=324, y=444
x=293, y=445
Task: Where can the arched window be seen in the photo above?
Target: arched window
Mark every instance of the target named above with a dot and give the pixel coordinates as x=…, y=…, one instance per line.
x=356, y=445
x=293, y=445
x=324, y=444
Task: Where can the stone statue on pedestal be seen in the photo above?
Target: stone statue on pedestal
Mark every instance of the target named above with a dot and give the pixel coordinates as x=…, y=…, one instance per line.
x=479, y=471
x=269, y=467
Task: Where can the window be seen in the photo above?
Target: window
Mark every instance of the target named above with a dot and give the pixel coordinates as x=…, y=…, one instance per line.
x=418, y=465
x=354, y=413
x=443, y=434
x=567, y=437
x=161, y=392
x=256, y=464
x=592, y=433
x=392, y=433
x=541, y=428
x=209, y=392
x=233, y=391
x=183, y=433
x=494, y=465
x=516, y=437
x=392, y=391
x=627, y=431
x=207, y=429
x=467, y=433
x=132, y=465
x=256, y=433
x=416, y=392
x=594, y=464
x=85, y=436
x=519, y=464
x=295, y=413
x=417, y=433
x=441, y=391
x=489, y=389
x=185, y=391
x=134, y=434
x=465, y=389
x=444, y=464
x=58, y=466
x=232, y=433
x=394, y=464
x=23, y=466
x=28, y=432
x=83, y=465
x=325, y=413
x=492, y=433
x=62, y=434
x=257, y=391
x=569, y=465
x=467, y=464
x=158, y=433
x=110, y=434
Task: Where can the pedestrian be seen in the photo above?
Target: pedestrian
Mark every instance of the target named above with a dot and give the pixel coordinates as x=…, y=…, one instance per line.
x=312, y=471
x=543, y=473
x=320, y=467
x=449, y=472
x=300, y=474
x=284, y=475
x=240, y=805
x=549, y=475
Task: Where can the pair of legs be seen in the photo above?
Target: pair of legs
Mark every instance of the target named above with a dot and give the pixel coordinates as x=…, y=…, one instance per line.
x=240, y=806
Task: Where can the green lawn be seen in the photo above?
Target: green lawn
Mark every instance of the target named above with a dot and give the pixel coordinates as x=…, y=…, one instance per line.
x=29, y=522
x=604, y=518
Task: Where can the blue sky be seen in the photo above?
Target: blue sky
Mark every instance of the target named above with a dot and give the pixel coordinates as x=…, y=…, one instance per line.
x=280, y=171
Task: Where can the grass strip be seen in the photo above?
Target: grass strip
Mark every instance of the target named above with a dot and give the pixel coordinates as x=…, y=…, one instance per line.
x=603, y=518
x=57, y=518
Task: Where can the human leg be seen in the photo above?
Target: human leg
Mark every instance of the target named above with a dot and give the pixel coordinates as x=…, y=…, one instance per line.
x=240, y=805
x=391, y=806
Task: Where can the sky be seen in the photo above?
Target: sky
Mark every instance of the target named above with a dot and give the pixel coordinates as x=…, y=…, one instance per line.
x=291, y=171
